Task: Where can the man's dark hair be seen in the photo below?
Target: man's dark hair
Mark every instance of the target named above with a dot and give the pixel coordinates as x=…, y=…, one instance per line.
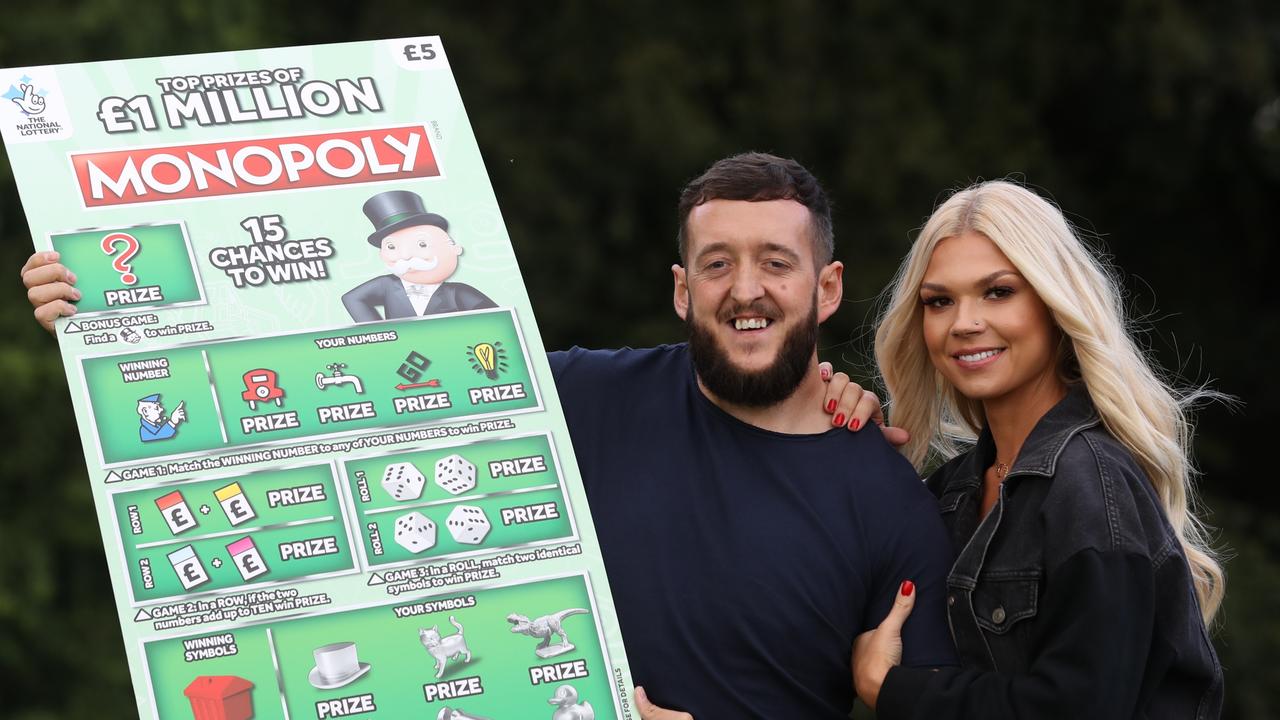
x=758, y=176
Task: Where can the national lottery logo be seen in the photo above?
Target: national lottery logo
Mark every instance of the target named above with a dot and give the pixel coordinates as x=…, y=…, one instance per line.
x=34, y=113
x=26, y=97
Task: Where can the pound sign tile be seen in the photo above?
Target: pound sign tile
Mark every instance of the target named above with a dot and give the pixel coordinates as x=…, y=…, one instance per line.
x=235, y=504
x=247, y=559
x=187, y=565
x=173, y=507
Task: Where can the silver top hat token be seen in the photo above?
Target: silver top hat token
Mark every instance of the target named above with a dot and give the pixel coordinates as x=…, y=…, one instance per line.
x=336, y=665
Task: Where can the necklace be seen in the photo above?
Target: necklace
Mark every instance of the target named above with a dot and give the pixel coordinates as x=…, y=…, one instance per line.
x=1001, y=469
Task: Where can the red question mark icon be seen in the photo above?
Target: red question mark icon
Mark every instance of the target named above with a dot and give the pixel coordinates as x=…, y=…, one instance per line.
x=121, y=264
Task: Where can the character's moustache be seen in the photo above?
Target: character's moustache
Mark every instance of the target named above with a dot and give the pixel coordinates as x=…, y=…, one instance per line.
x=400, y=267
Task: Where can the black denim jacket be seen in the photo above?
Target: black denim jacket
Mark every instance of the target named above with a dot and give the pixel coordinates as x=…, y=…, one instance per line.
x=1071, y=598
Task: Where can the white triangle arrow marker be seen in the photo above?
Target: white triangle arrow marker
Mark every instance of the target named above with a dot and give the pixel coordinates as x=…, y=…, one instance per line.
x=376, y=579
x=142, y=615
x=114, y=477
x=71, y=328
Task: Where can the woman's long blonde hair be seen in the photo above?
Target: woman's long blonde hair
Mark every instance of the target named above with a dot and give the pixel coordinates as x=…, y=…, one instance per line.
x=1145, y=413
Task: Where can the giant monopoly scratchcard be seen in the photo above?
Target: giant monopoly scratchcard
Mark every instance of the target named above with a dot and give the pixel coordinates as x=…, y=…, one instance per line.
x=327, y=456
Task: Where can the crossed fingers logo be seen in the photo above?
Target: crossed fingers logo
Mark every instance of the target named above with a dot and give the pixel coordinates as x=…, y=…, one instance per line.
x=26, y=98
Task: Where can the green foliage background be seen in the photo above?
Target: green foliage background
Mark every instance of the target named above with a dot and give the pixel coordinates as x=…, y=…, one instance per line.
x=1155, y=124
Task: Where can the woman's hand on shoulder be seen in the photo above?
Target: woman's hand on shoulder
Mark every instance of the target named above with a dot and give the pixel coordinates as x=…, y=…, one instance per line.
x=852, y=406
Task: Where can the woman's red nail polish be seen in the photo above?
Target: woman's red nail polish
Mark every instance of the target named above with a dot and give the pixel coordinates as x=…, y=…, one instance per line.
x=831, y=406
x=855, y=424
x=908, y=587
x=839, y=419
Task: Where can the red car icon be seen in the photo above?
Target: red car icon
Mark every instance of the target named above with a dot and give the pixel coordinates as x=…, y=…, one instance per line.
x=260, y=387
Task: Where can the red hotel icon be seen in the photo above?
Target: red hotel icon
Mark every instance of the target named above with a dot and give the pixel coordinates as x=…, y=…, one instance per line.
x=220, y=697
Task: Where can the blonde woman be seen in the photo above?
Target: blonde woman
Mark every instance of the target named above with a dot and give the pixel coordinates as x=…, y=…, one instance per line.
x=1083, y=584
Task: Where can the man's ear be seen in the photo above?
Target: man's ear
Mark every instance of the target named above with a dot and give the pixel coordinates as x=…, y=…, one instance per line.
x=830, y=289
x=680, y=297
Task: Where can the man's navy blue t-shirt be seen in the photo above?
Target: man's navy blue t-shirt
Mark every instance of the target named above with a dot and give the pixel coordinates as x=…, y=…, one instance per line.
x=743, y=562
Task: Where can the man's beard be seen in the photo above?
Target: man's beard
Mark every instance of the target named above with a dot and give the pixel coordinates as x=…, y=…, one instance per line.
x=756, y=389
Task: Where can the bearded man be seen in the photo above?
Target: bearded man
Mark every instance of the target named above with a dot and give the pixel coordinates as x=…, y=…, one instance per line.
x=748, y=542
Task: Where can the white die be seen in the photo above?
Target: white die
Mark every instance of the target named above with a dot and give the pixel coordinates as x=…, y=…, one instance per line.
x=415, y=532
x=403, y=481
x=455, y=475
x=468, y=524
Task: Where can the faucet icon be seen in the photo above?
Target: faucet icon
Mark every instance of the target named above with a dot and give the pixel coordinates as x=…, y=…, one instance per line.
x=339, y=378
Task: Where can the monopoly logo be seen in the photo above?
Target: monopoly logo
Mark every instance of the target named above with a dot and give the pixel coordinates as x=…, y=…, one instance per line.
x=176, y=172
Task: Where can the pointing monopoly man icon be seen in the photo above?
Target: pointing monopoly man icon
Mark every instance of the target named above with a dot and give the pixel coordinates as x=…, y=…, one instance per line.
x=152, y=425
x=416, y=247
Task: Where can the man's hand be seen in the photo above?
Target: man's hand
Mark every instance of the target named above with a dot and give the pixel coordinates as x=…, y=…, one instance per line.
x=875, y=651
x=30, y=102
x=49, y=288
x=850, y=405
x=649, y=711
x=179, y=414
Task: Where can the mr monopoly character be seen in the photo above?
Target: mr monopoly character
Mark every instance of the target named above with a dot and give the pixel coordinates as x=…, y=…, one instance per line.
x=417, y=249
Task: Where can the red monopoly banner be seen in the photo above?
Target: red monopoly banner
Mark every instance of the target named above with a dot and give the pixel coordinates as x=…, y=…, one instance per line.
x=177, y=172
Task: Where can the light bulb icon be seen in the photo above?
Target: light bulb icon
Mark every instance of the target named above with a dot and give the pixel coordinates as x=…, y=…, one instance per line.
x=488, y=359
x=485, y=355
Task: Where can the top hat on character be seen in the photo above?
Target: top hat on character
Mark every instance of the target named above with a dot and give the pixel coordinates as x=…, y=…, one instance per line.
x=398, y=209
